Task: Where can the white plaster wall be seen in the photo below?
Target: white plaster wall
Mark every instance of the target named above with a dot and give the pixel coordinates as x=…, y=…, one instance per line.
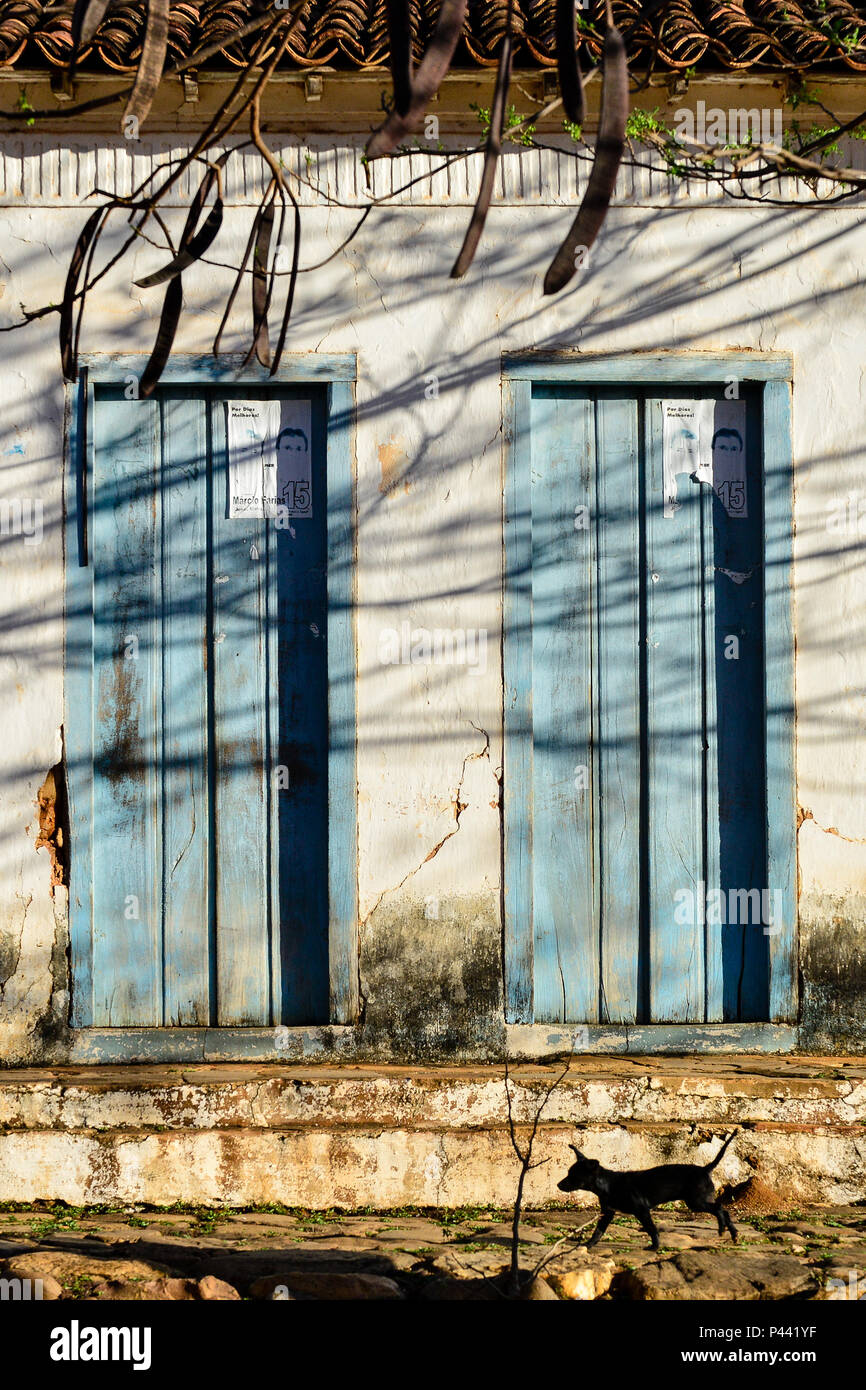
x=667, y=274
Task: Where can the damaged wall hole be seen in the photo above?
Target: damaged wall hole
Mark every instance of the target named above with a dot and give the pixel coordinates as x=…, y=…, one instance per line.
x=53, y=806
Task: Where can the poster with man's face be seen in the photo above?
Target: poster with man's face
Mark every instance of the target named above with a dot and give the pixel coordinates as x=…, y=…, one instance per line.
x=269, y=457
x=729, y=457
x=706, y=440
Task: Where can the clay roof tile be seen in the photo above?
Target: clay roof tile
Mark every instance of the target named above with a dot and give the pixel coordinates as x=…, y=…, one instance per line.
x=770, y=35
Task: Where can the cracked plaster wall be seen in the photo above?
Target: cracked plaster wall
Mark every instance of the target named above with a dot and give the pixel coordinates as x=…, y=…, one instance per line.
x=430, y=553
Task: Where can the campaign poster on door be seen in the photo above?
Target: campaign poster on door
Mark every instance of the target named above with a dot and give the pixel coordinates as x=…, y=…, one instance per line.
x=705, y=441
x=269, y=459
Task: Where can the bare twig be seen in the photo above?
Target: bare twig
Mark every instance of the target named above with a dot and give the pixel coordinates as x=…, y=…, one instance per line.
x=524, y=1158
x=741, y=156
x=554, y=1250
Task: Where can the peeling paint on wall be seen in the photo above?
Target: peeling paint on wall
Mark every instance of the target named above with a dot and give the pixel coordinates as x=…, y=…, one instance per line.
x=393, y=465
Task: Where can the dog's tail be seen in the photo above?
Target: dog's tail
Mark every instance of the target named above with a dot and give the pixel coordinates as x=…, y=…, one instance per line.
x=712, y=1163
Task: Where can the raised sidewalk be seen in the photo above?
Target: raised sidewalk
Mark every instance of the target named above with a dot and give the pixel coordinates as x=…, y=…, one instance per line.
x=388, y=1136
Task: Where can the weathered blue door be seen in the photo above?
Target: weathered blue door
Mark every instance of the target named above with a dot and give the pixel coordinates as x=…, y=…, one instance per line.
x=635, y=775
x=209, y=780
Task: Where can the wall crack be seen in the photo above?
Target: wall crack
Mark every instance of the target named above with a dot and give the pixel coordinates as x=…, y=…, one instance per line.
x=459, y=807
x=803, y=814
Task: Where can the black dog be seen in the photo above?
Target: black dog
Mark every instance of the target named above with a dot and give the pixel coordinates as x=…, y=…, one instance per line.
x=638, y=1192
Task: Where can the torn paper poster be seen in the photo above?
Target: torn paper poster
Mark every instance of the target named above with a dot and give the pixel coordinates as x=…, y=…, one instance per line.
x=270, y=466
x=736, y=576
x=684, y=424
x=706, y=441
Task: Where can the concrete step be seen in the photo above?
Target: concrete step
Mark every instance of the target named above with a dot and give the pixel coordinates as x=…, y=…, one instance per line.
x=358, y=1136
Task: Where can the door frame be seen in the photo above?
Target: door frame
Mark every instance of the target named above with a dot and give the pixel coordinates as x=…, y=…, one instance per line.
x=338, y=374
x=773, y=373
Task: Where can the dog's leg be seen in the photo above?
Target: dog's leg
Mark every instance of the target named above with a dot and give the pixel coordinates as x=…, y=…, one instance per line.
x=644, y=1216
x=714, y=1208
x=604, y=1221
x=728, y=1222
x=718, y=1211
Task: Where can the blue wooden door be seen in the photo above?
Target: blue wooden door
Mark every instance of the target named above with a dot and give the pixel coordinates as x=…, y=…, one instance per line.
x=642, y=763
x=208, y=635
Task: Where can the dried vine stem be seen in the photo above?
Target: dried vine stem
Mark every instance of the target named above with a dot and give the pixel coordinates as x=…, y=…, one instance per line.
x=194, y=244
x=224, y=121
x=239, y=277
x=568, y=65
x=400, y=49
x=492, y=151
x=412, y=91
x=609, y=149
x=151, y=62
x=277, y=174
x=423, y=84
x=86, y=18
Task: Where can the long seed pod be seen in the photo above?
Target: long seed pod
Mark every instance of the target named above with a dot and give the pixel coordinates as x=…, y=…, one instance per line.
x=293, y=280
x=168, y=321
x=238, y=281
x=86, y=18
x=69, y=331
x=82, y=298
x=400, y=44
x=264, y=229
x=491, y=159
x=151, y=62
x=272, y=278
x=191, y=249
x=605, y=166
x=194, y=244
x=426, y=82
x=568, y=66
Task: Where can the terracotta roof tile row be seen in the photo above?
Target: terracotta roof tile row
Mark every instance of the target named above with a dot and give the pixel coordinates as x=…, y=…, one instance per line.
x=772, y=35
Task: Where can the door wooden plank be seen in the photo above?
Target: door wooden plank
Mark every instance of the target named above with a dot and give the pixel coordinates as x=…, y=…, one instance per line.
x=741, y=755
x=186, y=812
x=517, y=657
x=78, y=696
x=713, y=931
x=342, y=791
x=240, y=755
x=298, y=685
x=565, y=896
x=780, y=699
x=675, y=743
x=617, y=702
x=127, y=908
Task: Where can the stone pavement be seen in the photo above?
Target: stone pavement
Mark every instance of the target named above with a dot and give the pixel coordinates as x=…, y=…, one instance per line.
x=814, y=1253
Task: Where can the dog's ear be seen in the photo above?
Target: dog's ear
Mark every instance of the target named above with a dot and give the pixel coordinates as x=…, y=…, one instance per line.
x=576, y=1151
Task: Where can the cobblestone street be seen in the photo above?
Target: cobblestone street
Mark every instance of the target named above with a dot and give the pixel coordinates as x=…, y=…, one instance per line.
x=815, y=1253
